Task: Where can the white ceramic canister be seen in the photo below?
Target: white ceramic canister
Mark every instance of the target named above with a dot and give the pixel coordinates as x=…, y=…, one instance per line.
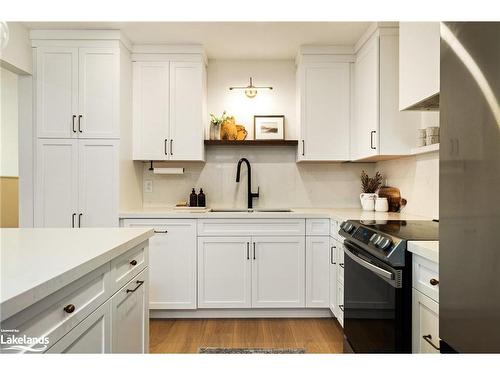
x=381, y=205
x=368, y=201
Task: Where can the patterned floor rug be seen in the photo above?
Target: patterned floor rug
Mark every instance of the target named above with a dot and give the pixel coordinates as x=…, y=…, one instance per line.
x=205, y=350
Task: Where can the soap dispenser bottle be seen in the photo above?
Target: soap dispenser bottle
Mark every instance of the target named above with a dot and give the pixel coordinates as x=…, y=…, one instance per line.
x=201, y=199
x=193, y=199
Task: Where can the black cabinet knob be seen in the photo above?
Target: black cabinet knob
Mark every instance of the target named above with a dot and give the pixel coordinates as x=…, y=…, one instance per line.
x=70, y=308
x=434, y=282
x=133, y=262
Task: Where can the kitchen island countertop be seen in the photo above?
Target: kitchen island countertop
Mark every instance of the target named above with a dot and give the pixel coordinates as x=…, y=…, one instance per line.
x=36, y=262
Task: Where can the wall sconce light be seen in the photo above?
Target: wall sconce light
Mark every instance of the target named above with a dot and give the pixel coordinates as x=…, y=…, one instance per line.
x=251, y=90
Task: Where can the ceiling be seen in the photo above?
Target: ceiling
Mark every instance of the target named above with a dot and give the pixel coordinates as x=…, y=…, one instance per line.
x=230, y=40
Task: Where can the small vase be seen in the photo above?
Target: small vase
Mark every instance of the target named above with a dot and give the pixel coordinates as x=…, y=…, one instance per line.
x=368, y=201
x=215, y=132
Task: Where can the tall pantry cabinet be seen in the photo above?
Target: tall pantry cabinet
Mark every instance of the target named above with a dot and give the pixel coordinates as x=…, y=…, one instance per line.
x=77, y=127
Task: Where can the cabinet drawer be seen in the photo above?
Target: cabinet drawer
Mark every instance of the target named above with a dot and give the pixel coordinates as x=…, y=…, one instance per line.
x=339, y=258
x=251, y=227
x=425, y=316
x=334, y=229
x=340, y=303
x=52, y=317
x=317, y=227
x=126, y=266
x=426, y=277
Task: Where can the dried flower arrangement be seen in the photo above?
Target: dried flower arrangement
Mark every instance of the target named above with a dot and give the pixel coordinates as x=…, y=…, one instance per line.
x=370, y=184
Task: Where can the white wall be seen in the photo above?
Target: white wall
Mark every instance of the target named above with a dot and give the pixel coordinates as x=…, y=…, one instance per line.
x=280, y=74
x=283, y=182
x=9, y=164
x=17, y=54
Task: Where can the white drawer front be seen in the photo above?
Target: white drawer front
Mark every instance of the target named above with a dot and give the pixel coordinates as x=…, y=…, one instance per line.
x=251, y=227
x=340, y=262
x=334, y=230
x=317, y=227
x=426, y=277
x=52, y=317
x=126, y=266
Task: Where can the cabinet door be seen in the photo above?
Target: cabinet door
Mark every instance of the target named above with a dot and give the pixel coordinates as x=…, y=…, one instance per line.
x=172, y=263
x=98, y=183
x=425, y=316
x=98, y=93
x=365, y=131
x=56, y=92
x=151, y=110
x=130, y=317
x=317, y=271
x=224, y=272
x=333, y=276
x=91, y=336
x=418, y=62
x=278, y=272
x=56, y=185
x=325, y=111
x=186, y=111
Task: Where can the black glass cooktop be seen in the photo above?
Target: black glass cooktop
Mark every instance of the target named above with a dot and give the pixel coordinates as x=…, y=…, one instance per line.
x=411, y=230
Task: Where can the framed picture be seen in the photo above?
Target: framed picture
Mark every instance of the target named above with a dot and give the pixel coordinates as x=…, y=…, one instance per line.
x=269, y=127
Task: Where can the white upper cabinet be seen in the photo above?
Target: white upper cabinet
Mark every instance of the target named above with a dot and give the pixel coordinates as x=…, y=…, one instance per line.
x=77, y=92
x=419, y=65
x=169, y=110
x=98, y=92
x=324, y=104
x=56, y=92
x=379, y=131
x=186, y=111
x=151, y=92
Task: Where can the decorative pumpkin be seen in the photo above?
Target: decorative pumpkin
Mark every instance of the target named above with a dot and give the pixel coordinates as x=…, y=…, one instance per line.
x=242, y=133
x=228, y=130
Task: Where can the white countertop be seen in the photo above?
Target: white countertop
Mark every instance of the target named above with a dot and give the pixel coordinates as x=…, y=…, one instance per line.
x=36, y=262
x=307, y=213
x=426, y=249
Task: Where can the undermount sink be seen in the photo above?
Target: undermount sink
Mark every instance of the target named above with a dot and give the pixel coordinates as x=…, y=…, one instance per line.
x=250, y=210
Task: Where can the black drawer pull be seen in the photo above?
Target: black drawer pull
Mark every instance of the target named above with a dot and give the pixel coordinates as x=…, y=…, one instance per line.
x=70, y=308
x=341, y=265
x=161, y=231
x=74, y=117
x=341, y=307
x=139, y=283
x=133, y=262
x=434, y=282
x=79, y=123
x=428, y=338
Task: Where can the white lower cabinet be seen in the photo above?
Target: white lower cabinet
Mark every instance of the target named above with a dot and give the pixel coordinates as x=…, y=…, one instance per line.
x=332, y=268
x=425, y=306
x=224, y=272
x=425, y=324
x=278, y=277
x=172, y=269
x=130, y=316
x=244, y=272
x=340, y=304
x=91, y=336
x=317, y=271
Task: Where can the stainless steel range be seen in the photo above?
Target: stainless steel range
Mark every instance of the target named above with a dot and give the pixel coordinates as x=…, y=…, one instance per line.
x=377, y=283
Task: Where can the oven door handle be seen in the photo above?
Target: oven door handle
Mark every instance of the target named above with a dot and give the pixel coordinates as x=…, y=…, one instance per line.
x=379, y=271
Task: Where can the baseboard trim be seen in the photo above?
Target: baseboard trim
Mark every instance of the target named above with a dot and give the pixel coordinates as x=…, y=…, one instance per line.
x=241, y=313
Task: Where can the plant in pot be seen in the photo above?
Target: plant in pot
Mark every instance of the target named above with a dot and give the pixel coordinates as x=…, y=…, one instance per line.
x=215, y=125
x=369, y=187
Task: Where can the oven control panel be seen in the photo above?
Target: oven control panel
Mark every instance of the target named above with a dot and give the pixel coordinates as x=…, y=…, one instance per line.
x=370, y=237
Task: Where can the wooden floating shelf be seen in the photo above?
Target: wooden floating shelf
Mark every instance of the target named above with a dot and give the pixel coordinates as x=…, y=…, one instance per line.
x=425, y=149
x=273, y=142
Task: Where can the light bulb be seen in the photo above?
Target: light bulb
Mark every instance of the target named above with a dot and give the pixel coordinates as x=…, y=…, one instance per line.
x=251, y=92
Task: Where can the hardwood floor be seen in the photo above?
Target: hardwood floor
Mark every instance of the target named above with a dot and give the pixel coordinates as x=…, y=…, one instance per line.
x=187, y=335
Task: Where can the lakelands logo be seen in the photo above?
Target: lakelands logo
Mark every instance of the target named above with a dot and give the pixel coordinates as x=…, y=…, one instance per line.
x=22, y=343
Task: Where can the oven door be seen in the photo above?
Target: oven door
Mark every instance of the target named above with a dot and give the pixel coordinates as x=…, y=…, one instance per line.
x=374, y=311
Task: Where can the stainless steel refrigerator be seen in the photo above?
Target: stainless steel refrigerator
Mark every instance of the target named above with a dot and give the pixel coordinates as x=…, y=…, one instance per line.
x=469, y=264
